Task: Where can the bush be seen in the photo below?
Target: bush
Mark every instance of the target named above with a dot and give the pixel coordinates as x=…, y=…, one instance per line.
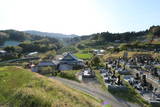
x=45, y=70
x=71, y=75
x=96, y=61
x=81, y=46
x=123, y=46
x=49, y=55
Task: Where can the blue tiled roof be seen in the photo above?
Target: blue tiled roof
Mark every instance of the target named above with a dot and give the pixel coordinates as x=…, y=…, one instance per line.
x=70, y=57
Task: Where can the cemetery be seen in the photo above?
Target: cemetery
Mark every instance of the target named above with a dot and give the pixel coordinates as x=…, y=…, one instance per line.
x=140, y=71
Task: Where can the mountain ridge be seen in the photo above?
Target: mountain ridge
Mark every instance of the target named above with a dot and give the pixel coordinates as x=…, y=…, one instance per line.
x=50, y=34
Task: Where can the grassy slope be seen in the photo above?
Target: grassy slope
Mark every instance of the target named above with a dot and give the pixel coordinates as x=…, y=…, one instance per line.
x=19, y=87
x=101, y=80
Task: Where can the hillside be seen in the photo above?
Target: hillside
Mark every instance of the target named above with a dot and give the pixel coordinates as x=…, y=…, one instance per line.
x=26, y=43
x=54, y=35
x=38, y=91
x=106, y=39
x=19, y=36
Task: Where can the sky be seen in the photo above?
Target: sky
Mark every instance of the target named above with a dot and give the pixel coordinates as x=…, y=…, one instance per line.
x=81, y=17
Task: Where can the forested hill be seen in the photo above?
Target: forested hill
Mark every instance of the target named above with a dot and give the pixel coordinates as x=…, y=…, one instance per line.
x=28, y=42
x=17, y=36
x=105, y=38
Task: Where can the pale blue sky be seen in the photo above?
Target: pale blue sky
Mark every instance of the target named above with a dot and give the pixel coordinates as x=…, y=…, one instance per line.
x=79, y=16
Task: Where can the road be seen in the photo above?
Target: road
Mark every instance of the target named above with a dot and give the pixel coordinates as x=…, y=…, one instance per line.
x=92, y=88
x=19, y=59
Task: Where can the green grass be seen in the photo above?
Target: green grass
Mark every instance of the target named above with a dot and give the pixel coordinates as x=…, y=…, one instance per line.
x=71, y=75
x=84, y=56
x=101, y=80
x=22, y=88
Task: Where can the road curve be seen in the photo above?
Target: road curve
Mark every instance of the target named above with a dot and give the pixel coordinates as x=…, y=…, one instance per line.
x=98, y=93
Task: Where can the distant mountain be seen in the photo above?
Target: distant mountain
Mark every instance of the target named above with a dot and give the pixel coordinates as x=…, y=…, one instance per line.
x=55, y=35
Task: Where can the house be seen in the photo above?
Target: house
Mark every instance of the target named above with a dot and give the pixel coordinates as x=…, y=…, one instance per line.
x=110, y=47
x=117, y=41
x=69, y=62
x=32, y=54
x=3, y=53
x=46, y=64
x=98, y=51
x=42, y=65
x=66, y=61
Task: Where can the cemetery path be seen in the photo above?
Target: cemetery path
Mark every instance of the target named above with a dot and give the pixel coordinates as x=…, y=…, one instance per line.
x=93, y=89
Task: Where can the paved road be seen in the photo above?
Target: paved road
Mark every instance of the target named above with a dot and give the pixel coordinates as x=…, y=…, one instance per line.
x=93, y=89
x=19, y=59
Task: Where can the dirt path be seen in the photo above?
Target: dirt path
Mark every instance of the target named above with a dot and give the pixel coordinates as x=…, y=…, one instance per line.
x=92, y=87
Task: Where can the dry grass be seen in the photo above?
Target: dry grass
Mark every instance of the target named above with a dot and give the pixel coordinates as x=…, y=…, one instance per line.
x=31, y=89
x=130, y=54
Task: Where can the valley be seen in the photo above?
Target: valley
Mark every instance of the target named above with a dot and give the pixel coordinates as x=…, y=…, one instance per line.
x=79, y=53
x=93, y=67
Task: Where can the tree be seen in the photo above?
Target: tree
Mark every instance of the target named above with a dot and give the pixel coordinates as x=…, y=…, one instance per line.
x=95, y=61
x=150, y=36
x=10, y=49
x=3, y=37
x=18, y=49
x=123, y=46
x=155, y=30
x=81, y=46
x=49, y=55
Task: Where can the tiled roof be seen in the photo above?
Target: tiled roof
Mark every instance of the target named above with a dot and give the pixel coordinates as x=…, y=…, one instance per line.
x=69, y=57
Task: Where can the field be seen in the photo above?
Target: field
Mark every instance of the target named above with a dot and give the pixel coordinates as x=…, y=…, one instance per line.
x=84, y=56
x=22, y=88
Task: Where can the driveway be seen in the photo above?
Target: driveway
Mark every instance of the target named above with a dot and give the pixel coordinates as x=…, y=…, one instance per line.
x=92, y=87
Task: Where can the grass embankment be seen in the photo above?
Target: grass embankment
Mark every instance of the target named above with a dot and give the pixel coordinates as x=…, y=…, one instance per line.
x=21, y=88
x=101, y=80
x=71, y=75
